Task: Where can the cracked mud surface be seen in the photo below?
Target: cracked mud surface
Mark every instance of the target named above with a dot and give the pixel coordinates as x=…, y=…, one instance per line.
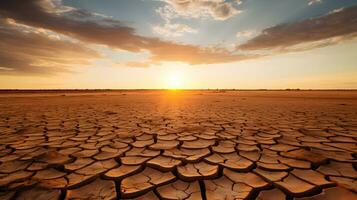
x=179, y=145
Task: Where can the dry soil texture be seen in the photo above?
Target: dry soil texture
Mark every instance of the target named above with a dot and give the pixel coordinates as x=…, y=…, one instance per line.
x=179, y=145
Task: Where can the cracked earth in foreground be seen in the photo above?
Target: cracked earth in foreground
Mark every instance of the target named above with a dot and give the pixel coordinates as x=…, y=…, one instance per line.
x=179, y=145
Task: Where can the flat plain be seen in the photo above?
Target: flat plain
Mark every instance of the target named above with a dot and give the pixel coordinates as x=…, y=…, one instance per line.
x=266, y=145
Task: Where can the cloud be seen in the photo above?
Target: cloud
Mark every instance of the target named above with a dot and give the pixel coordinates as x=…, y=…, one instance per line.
x=246, y=34
x=217, y=9
x=166, y=51
x=75, y=23
x=341, y=25
x=93, y=28
x=312, y=2
x=32, y=51
x=135, y=64
x=336, y=10
x=173, y=30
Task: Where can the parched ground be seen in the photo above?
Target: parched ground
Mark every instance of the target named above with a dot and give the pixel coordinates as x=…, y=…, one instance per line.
x=266, y=145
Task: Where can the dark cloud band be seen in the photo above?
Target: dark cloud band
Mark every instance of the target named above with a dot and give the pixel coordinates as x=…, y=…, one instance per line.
x=30, y=52
x=342, y=23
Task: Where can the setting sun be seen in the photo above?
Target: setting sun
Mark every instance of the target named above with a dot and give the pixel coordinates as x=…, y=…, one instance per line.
x=174, y=80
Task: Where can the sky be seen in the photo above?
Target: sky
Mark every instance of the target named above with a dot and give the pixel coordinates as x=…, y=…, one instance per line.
x=178, y=44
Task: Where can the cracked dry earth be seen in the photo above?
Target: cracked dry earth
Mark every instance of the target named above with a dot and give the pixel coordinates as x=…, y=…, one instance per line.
x=179, y=145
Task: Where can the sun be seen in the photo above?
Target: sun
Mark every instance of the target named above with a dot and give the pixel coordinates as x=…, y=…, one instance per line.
x=174, y=80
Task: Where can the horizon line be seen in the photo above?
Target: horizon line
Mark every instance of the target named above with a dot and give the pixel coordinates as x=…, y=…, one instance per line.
x=180, y=89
